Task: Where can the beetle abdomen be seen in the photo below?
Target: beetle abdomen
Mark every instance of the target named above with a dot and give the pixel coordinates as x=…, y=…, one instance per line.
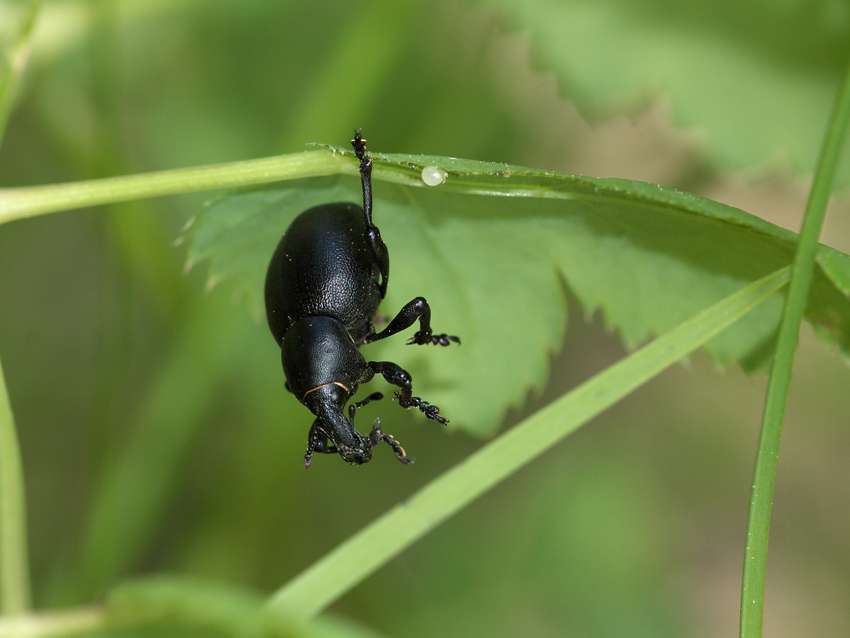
x=322, y=267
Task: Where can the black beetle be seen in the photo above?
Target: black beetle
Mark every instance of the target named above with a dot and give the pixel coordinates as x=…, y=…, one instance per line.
x=325, y=282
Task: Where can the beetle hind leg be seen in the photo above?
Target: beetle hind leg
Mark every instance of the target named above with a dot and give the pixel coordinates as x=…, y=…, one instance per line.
x=416, y=309
x=434, y=340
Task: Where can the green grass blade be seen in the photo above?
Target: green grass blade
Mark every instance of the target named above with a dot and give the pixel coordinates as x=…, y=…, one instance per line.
x=340, y=570
x=14, y=564
x=15, y=63
x=761, y=496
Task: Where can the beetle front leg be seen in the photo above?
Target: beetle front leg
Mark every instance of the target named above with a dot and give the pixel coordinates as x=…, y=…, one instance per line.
x=398, y=376
x=377, y=435
x=416, y=309
x=317, y=441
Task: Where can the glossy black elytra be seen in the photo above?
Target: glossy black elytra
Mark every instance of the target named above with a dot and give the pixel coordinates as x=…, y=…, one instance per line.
x=323, y=288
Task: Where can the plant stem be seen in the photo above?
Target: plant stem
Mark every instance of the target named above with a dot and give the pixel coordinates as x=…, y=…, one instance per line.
x=340, y=570
x=764, y=475
x=63, y=623
x=14, y=564
x=17, y=203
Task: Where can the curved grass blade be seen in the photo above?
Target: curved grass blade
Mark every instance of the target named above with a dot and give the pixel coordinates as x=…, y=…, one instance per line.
x=340, y=570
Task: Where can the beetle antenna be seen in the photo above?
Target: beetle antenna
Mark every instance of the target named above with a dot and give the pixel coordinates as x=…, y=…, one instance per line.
x=359, y=145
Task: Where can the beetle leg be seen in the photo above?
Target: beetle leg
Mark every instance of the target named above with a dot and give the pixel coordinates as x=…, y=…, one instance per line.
x=376, y=436
x=375, y=396
x=317, y=441
x=392, y=373
x=398, y=376
x=416, y=309
x=377, y=247
x=428, y=409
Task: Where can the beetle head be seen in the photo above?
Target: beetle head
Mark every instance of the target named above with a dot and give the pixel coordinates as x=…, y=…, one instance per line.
x=331, y=424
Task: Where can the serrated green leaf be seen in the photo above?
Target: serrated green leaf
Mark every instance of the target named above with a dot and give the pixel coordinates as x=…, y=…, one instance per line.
x=490, y=266
x=757, y=77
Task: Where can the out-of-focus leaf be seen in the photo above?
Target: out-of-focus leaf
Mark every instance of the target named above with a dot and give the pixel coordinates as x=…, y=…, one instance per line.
x=190, y=606
x=759, y=77
x=491, y=267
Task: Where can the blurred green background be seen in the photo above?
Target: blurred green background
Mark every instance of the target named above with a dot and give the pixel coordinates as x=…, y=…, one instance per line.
x=156, y=432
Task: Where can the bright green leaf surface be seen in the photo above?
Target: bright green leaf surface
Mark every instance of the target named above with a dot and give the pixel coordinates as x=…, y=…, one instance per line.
x=490, y=266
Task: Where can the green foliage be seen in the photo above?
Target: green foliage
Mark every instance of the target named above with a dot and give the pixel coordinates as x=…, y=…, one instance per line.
x=193, y=607
x=155, y=433
x=646, y=256
x=758, y=84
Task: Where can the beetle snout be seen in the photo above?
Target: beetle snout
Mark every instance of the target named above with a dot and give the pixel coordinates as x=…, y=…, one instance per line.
x=353, y=448
x=356, y=456
x=349, y=443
